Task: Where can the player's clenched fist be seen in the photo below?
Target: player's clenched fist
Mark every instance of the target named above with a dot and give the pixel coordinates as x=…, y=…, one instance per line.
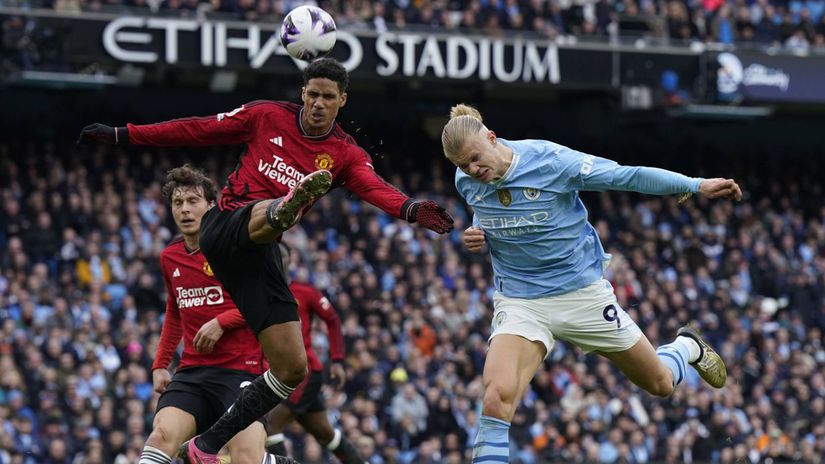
x=474, y=239
x=101, y=133
x=720, y=188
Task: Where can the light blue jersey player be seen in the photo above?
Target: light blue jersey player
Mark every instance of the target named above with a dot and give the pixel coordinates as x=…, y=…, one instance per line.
x=548, y=263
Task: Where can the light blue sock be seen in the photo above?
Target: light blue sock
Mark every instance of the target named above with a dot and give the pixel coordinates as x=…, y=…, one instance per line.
x=675, y=355
x=493, y=441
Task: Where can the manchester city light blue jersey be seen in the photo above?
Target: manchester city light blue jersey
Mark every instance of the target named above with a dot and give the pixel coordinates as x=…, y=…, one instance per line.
x=536, y=225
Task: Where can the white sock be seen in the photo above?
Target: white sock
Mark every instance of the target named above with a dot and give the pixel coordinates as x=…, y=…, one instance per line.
x=152, y=455
x=693, y=347
x=336, y=440
x=269, y=459
x=275, y=439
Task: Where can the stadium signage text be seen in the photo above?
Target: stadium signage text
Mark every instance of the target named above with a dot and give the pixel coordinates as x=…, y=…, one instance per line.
x=462, y=57
x=171, y=40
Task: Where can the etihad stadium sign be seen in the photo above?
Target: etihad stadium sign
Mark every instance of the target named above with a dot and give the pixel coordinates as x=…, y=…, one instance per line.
x=403, y=54
x=105, y=42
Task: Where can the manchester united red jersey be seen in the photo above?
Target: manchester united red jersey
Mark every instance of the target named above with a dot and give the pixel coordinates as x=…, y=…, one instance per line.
x=312, y=303
x=277, y=154
x=193, y=297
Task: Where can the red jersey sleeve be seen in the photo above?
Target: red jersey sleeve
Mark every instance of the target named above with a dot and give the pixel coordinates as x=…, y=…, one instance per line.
x=172, y=331
x=323, y=308
x=230, y=320
x=232, y=128
x=362, y=180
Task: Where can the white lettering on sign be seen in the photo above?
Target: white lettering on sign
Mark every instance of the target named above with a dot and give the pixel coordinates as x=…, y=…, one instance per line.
x=136, y=40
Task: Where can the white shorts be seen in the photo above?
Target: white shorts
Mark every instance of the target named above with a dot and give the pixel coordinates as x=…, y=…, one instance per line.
x=589, y=318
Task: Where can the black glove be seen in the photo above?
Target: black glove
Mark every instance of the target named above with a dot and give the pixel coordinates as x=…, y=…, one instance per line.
x=430, y=215
x=103, y=134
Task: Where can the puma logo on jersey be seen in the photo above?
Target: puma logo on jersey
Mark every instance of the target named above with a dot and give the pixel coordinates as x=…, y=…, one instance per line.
x=277, y=141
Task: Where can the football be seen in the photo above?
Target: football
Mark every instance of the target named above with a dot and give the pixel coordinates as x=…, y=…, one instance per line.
x=308, y=32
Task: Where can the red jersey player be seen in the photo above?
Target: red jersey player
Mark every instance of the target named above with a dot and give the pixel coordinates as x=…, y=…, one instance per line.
x=293, y=155
x=305, y=404
x=220, y=353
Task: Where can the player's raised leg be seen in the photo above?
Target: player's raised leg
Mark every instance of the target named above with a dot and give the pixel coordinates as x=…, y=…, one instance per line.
x=659, y=371
x=511, y=363
x=656, y=373
x=283, y=346
x=241, y=250
x=270, y=218
x=171, y=427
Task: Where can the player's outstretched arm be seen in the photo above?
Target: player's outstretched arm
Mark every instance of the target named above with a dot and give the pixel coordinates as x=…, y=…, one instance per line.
x=362, y=180
x=220, y=129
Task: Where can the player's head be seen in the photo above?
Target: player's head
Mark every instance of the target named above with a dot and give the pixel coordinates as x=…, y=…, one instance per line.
x=324, y=93
x=471, y=146
x=191, y=193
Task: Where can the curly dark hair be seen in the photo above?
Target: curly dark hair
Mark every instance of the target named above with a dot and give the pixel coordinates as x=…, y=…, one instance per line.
x=329, y=68
x=188, y=177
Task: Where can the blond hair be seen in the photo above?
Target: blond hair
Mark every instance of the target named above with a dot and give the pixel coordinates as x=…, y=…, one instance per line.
x=464, y=122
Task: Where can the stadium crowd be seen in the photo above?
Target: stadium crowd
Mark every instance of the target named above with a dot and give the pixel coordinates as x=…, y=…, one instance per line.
x=81, y=306
x=798, y=25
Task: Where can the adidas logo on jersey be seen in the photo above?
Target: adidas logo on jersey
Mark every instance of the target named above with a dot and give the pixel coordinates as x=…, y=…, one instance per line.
x=277, y=141
x=176, y=273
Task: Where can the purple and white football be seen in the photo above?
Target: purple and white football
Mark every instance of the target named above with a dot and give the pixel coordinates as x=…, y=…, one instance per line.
x=308, y=32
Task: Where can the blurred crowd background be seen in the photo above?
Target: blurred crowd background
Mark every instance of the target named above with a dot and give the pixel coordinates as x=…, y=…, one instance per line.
x=81, y=305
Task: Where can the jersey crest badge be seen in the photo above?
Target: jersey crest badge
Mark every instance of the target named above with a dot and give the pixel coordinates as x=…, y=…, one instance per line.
x=499, y=319
x=531, y=193
x=323, y=161
x=207, y=269
x=504, y=197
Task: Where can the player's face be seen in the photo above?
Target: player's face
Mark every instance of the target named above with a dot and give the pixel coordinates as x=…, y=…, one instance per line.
x=322, y=100
x=188, y=206
x=479, y=158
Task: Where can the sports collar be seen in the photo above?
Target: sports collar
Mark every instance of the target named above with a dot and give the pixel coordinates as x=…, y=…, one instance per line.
x=299, y=120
